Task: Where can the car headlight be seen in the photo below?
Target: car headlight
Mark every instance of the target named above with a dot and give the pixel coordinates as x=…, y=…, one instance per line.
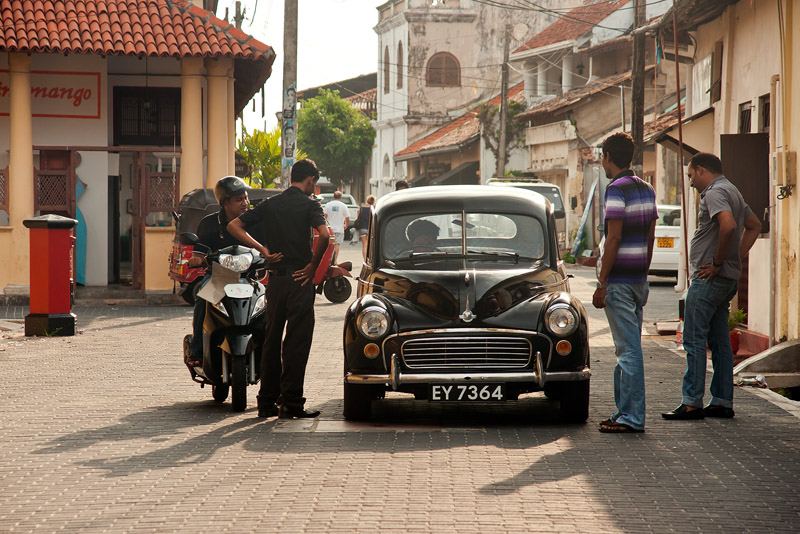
x=373, y=322
x=236, y=262
x=561, y=319
x=261, y=303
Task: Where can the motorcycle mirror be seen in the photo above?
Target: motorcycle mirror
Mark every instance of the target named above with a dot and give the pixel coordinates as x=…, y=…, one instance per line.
x=187, y=238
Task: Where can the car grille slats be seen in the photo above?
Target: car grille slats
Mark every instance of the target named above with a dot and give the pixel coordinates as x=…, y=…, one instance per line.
x=467, y=352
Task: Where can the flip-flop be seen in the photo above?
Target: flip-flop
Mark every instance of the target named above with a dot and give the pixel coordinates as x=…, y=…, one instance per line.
x=619, y=428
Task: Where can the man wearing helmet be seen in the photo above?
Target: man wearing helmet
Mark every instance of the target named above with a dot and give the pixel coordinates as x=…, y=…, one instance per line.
x=212, y=234
x=288, y=219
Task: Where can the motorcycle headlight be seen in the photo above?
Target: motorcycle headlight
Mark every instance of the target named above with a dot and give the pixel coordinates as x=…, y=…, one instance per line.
x=373, y=322
x=561, y=319
x=221, y=308
x=261, y=303
x=236, y=262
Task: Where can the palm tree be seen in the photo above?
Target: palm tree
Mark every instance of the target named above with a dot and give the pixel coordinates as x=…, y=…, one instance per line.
x=262, y=151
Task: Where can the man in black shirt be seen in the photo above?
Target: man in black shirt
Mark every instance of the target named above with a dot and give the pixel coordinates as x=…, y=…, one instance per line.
x=212, y=234
x=288, y=220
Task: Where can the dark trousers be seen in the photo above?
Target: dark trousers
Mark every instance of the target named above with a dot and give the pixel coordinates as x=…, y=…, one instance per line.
x=196, y=346
x=283, y=363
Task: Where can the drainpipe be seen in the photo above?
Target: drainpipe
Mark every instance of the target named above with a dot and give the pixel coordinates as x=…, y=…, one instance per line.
x=773, y=219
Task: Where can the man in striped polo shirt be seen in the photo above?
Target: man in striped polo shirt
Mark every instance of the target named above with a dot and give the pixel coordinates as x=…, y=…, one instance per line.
x=622, y=290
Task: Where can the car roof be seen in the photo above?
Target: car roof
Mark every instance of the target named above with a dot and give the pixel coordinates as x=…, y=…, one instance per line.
x=475, y=198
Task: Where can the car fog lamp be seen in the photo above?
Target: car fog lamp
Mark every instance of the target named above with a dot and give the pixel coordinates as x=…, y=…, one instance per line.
x=236, y=262
x=563, y=347
x=373, y=323
x=371, y=351
x=561, y=319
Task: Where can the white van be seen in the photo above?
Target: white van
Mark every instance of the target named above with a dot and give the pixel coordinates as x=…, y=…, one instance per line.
x=550, y=191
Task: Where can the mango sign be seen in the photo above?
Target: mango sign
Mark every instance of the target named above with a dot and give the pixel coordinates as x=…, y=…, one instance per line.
x=58, y=94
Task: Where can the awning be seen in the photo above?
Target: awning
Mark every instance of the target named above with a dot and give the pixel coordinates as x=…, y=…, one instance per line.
x=466, y=173
x=698, y=134
x=420, y=179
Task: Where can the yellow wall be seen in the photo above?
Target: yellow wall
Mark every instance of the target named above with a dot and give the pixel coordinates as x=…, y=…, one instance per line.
x=158, y=244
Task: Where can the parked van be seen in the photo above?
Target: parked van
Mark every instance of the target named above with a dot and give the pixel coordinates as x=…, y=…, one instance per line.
x=550, y=191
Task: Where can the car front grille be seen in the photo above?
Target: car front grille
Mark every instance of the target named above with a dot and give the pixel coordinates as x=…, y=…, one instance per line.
x=466, y=352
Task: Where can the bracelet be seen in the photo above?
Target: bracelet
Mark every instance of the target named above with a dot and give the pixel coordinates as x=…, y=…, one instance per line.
x=601, y=286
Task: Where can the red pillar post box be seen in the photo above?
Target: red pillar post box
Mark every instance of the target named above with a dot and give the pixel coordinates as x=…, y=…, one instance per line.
x=51, y=276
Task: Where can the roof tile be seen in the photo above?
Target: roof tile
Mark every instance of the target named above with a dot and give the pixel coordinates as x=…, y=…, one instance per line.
x=155, y=27
x=573, y=24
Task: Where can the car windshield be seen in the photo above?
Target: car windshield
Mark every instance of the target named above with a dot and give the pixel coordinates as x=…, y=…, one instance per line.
x=669, y=216
x=437, y=241
x=347, y=199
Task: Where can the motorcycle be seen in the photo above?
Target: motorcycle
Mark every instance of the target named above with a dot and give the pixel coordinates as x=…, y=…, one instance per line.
x=329, y=277
x=233, y=330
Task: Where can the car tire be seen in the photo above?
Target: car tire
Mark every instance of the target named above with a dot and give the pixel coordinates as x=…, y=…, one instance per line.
x=574, y=398
x=358, y=401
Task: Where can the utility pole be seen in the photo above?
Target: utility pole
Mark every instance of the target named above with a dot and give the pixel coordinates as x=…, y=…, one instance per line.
x=637, y=95
x=288, y=125
x=501, y=144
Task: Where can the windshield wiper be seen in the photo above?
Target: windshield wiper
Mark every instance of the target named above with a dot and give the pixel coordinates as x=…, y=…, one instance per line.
x=497, y=255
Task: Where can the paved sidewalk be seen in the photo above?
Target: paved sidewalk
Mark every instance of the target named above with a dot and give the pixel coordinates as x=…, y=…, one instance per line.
x=105, y=432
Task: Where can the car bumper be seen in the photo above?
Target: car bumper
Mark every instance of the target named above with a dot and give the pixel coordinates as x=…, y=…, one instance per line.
x=538, y=376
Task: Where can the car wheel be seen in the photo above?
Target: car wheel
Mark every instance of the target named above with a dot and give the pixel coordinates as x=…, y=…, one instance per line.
x=337, y=289
x=574, y=397
x=358, y=401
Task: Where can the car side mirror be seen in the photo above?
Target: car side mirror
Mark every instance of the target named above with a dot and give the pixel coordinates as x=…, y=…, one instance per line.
x=188, y=238
x=601, y=227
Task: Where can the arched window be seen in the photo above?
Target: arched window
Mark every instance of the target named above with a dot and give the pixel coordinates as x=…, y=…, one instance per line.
x=443, y=71
x=386, y=70
x=386, y=168
x=400, y=65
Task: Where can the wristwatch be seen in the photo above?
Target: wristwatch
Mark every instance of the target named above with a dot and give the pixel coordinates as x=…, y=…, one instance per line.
x=601, y=286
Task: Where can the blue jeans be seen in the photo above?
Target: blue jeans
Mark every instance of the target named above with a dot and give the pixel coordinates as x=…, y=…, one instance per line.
x=199, y=315
x=706, y=321
x=625, y=311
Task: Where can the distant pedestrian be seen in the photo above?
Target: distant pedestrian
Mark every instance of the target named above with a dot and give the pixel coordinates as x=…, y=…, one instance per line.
x=362, y=223
x=289, y=219
x=726, y=230
x=630, y=225
x=400, y=185
x=338, y=217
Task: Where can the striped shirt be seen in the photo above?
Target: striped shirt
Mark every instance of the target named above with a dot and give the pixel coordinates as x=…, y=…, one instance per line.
x=634, y=201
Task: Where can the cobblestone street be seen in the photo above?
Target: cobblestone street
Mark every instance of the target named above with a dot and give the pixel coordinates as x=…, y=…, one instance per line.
x=105, y=432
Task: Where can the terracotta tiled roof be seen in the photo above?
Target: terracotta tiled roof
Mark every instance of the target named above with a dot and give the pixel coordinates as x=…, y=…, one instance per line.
x=662, y=123
x=366, y=102
x=123, y=27
x=575, y=96
x=456, y=132
x=573, y=24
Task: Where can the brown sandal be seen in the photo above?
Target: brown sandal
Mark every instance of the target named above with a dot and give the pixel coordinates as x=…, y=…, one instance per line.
x=618, y=428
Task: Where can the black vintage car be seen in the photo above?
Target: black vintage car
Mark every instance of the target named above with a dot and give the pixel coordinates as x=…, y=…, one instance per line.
x=463, y=298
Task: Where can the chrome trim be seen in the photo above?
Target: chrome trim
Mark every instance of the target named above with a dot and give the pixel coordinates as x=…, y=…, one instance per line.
x=539, y=369
x=401, y=379
x=395, y=372
x=439, y=343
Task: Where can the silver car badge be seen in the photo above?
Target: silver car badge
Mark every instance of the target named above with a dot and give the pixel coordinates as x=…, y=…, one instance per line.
x=467, y=316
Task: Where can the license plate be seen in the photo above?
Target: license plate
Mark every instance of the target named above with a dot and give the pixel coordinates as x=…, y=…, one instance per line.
x=664, y=242
x=467, y=392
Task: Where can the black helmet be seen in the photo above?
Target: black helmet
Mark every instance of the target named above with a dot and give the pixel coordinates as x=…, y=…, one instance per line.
x=228, y=187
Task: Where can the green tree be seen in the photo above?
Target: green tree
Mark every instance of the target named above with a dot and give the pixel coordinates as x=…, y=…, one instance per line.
x=489, y=116
x=335, y=135
x=262, y=151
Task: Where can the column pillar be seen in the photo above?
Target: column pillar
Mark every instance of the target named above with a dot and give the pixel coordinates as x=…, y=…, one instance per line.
x=191, y=124
x=566, y=73
x=20, y=171
x=218, y=122
x=231, y=126
x=529, y=79
x=542, y=78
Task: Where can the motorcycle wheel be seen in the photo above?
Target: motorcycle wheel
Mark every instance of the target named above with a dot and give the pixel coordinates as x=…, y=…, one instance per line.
x=220, y=393
x=190, y=293
x=337, y=289
x=238, y=382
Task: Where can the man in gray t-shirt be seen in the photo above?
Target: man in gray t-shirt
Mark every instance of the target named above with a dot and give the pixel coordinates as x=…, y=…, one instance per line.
x=726, y=230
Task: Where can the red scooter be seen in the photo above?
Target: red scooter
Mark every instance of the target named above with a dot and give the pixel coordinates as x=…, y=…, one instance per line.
x=330, y=277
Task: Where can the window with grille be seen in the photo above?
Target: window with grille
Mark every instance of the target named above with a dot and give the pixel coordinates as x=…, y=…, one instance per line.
x=386, y=69
x=443, y=71
x=763, y=121
x=147, y=116
x=745, y=113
